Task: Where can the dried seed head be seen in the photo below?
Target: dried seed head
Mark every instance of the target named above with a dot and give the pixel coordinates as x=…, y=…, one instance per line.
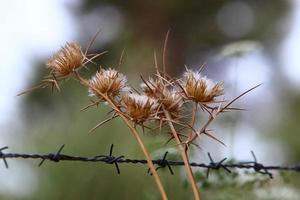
x=201, y=89
x=152, y=88
x=66, y=60
x=139, y=107
x=172, y=102
x=171, y=99
x=109, y=82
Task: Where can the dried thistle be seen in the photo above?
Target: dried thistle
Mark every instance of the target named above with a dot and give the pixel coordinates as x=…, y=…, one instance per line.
x=139, y=107
x=160, y=100
x=169, y=98
x=66, y=60
x=109, y=82
x=152, y=88
x=172, y=102
x=200, y=89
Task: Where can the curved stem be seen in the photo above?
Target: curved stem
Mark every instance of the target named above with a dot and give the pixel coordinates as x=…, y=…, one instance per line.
x=190, y=135
x=148, y=158
x=184, y=156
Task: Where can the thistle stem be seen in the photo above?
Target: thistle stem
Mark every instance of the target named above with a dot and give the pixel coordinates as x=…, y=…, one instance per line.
x=190, y=135
x=148, y=158
x=204, y=127
x=184, y=157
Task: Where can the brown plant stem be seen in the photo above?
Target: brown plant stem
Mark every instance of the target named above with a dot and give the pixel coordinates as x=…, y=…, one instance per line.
x=193, y=119
x=204, y=127
x=148, y=158
x=184, y=156
x=134, y=133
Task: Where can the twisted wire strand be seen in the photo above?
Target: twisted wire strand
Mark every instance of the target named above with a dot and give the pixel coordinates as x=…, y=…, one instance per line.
x=160, y=163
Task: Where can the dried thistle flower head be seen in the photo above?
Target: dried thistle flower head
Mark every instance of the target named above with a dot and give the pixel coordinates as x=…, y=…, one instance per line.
x=152, y=88
x=170, y=99
x=109, y=82
x=201, y=89
x=172, y=102
x=139, y=107
x=66, y=60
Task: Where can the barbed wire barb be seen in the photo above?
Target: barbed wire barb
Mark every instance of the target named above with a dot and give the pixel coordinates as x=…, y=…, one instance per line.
x=114, y=160
x=3, y=157
x=162, y=164
x=258, y=167
x=216, y=166
x=53, y=157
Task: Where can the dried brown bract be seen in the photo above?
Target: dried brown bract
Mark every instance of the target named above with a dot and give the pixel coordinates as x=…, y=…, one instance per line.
x=153, y=88
x=200, y=89
x=139, y=107
x=109, y=82
x=165, y=95
x=172, y=102
x=66, y=60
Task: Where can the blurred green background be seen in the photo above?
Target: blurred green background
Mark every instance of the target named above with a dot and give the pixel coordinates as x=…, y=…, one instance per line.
x=242, y=43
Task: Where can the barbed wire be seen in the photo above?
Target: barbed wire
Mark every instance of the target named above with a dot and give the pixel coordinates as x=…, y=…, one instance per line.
x=160, y=163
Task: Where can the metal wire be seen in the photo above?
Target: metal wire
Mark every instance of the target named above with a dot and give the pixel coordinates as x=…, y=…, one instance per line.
x=160, y=163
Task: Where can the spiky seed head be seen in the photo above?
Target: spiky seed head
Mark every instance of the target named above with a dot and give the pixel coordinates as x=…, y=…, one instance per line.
x=172, y=102
x=139, y=107
x=170, y=98
x=109, y=82
x=66, y=60
x=201, y=89
x=152, y=88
